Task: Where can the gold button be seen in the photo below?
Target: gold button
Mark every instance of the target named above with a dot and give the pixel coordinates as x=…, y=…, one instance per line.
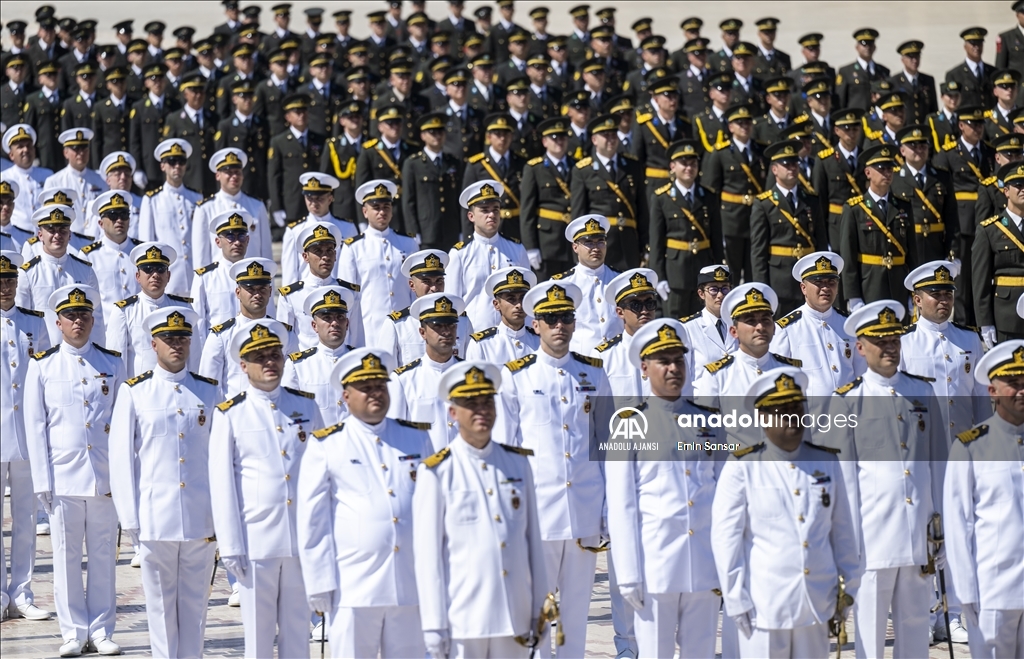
x=88, y=446
x=15, y=407
x=383, y=466
x=181, y=459
x=289, y=502
x=181, y=435
x=390, y=491
x=906, y=472
x=899, y=417
x=490, y=491
x=908, y=500
x=561, y=372
x=567, y=454
x=690, y=532
x=88, y=425
x=394, y=520
x=689, y=503
x=796, y=492
x=687, y=472
x=565, y=426
x=483, y=465
x=497, y=518
x=800, y=518
x=284, y=453
x=503, y=545
x=85, y=403
x=568, y=483
x=84, y=381
x=792, y=466
x=564, y=399
x=805, y=544
x=179, y=411
x=396, y=548
x=903, y=445
x=835, y=368
x=181, y=484
x=273, y=406
x=279, y=429
x=504, y=573
x=377, y=439
x=807, y=570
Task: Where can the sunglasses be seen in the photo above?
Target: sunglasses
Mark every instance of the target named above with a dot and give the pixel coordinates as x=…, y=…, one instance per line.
x=330, y=317
x=153, y=268
x=1006, y=86
x=175, y=162
x=638, y=306
x=117, y=216
x=78, y=147
x=234, y=236
x=552, y=319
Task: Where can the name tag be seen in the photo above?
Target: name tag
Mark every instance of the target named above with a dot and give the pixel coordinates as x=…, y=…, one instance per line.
x=415, y=456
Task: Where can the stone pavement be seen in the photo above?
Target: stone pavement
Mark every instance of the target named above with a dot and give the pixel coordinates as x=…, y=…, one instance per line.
x=26, y=639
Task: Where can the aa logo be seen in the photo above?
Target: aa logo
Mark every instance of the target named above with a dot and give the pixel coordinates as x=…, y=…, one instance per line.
x=628, y=423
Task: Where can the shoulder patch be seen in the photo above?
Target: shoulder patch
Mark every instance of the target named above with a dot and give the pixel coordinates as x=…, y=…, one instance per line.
x=583, y=164
x=369, y=144
x=487, y=333
x=849, y=386
x=716, y=366
x=748, y=450
x=349, y=241
x=226, y=405
x=227, y=324
x=918, y=377
x=203, y=378
x=127, y=302
x=984, y=223
x=82, y=261
x=722, y=145
x=45, y=353
x=112, y=353
x=517, y=449
x=89, y=249
x=180, y=298
x=32, y=312
x=31, y=262
x=477, y=158
x=207, y=268
x=967, y=328
x=969, y=436
x=408, y=367
x=418, y=425
x=663, y=189
x=323, y=433
x=399, y=315
x=825, y=153
x=131, y=382
x=462, y=243
x=156, y=190
x=347, y=284
x=291, y=288
x=604, y=345
x=853, y=201
x=203, y=201
x=991, y=180
x=299, y=392
x=790, y=318
x=765, y=195
x=788, y=360
x=535, y=161
x=297, y=357
x=589, y=361
x=694, y=316
x=437, y=458
x=949, y=146
x=827, y=449
x=521, y=363
x=563, y=275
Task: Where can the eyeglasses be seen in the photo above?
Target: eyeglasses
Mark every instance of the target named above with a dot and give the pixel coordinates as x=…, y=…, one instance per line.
x=255, y=289
x=235, y=236
x=713, y=291
x=153, y=268
x=823, y=282
x=117, y=216
x=552, y=319
x=638, y=306
x=175, y=162
x=592, y=243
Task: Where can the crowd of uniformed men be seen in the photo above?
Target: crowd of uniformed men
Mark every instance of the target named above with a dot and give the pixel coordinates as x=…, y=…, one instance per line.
x=486, y=232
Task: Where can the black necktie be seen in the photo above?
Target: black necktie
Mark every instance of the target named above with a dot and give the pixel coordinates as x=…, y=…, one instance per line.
x=720, y=326
x=502, y=167
x=851, y=162
x=561, y=169
x=791, y=198
x=920, y=180
x=883, y=208
x=611, y=167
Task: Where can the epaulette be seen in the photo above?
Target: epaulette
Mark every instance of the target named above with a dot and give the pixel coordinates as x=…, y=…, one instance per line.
x=827, y=449
x=849, y=386
x=513, y=240
x=589, y=361
x=33, y=240
x=663, y=189
x=791, y=317
x=45, y=353
x=925, y=378
x=535, y=161
x=517, y=449
x=949, y=146
x=485, y=334
x=912, y=327
x=969, y=436
x=477, y=158
x=966, y=328
x=295, y=223
x=530, y=330
x=399, y=315
x=203, y=378
x=563, y=275
x=227, y=324
x=694, y=316
x=203, y=201
x=984, y=223
x=628, y=156
x=32, y=312
x=418, y=425
x=521, y=363
x=722, y=145
x=789, y=361
x=643, y=118
x=748, y=450
x=369, y=144
x=825, y=153
x=299, y=392
x=718, y=365
x=990, y=180
x=180, y=298
x=706, y=408
x=226, y=405
x=207, y=268
x=88, y=249
x=604, y=345
x=437, y=458
x=408, y=367
x=841, y=312
x=462, y=243
x=583, y=164
x=853, y=201
x=323, y=433
x=128, y=301
x=765, y=195
x=987, y=114
x=349, y=241
x=297, y=357
x=112, y=353
x=291, y=288
x=131, y=382
x=150, y=193
x=347, y=284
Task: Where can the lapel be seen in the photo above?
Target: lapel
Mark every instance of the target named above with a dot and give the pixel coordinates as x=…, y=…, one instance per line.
x=711, y=332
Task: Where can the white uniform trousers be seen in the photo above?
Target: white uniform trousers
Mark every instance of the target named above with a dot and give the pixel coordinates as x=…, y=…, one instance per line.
x=177, y=594
x=85, y=610
x=361, y=632
x=730, y=636
x=810, y=642
x=570, y=570
x=622, y=614
x=273, y=598
x=688, y=620
x=499, y=647
x=909, y=593
x=17, y=587
x=999, y=634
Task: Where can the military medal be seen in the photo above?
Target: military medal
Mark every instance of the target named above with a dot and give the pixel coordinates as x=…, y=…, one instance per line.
x=302, y=434
x=515, y=503
x=826, y=500
x=967, y=367
x=105, y=389
x=202, y=417
x=847, y=352
x=920, y=423
x=106, y=428
x=586, y=405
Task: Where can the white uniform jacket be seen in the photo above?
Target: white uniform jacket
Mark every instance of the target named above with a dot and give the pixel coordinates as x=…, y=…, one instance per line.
x=127, y=335
x=356, y=512
x=413, y=389
x=828, y=356
x=290, y=312
x=30, y=184
x=217, y=364
x=705, y=343
x=310, y=370
x=205, y=250
x=501, y=344
x=114, y=270
x=595, y=316
x=373, y=262
x=470, y=263
x=479, y=556
x=159, y=449
x=213, y=296
x=165, y=216
x=44, y=274
x=293, y=268
x=22, y=334
x=624, y=378
x=400, y=336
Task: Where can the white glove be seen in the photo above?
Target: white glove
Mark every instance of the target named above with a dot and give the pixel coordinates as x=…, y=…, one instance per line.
x=743, y=624
x=856, y=303
x=322, y=602
x=633, y=593
x=280, y=217
x=535, y=259
x=419, y=241
x=133, y=536
x=236, y=565
x=46, y=501
x=438, y=643
x=663, y=289
x=969, y=614
x=988, y=335
x=140, y=179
